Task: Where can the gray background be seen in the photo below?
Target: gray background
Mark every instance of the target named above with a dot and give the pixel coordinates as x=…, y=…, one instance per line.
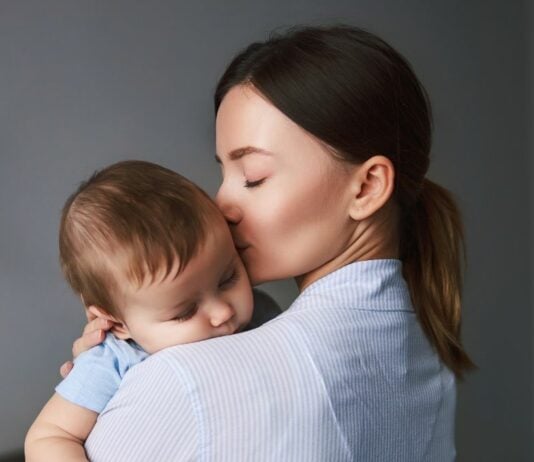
x=86, y=83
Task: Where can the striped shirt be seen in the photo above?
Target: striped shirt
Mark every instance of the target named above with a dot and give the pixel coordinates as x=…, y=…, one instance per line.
x=345, y=374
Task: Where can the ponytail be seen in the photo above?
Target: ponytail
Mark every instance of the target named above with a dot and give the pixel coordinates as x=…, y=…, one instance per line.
x=433, y=254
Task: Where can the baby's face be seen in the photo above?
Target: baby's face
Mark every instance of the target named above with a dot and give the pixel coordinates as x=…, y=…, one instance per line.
x=209, y=298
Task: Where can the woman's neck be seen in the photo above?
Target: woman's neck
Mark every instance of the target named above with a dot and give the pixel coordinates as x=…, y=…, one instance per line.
x=373, y=238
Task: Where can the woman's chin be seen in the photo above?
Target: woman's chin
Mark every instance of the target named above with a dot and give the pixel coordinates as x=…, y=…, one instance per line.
x=254, y=277
x=258, y=272
x=257, y=277
x=254, y=281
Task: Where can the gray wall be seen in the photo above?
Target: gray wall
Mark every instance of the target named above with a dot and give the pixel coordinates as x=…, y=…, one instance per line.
x=530, y=136
x=86, y=83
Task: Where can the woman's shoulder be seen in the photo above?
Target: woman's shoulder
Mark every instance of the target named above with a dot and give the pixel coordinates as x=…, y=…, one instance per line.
x=267, y=339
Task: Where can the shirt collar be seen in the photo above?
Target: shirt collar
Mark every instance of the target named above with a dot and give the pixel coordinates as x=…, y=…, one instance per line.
x=369, y=284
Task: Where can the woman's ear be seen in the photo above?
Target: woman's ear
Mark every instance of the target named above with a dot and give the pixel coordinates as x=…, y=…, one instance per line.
x=119, y=328
x=372, y=186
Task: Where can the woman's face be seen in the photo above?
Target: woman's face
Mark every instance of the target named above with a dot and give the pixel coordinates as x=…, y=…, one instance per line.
x=283, y=195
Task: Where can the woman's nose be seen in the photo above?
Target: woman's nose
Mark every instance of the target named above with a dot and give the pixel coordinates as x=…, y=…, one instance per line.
x=220, y=312
x=228, y=207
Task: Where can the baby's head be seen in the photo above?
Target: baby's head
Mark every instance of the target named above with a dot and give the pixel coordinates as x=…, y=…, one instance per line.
x=153, y=252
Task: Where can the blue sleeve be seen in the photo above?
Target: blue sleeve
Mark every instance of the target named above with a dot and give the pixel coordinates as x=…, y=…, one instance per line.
x=98, y=372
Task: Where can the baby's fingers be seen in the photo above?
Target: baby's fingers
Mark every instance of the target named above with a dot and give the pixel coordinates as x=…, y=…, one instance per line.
x=97, y=324
x=65, y=369
x=87, y=341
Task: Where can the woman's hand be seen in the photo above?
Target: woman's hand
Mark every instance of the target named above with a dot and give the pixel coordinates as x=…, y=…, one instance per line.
x=94, y=333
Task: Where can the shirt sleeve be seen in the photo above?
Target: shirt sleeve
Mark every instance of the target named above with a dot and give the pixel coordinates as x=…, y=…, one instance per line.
x=97, y=373
x=151, y=417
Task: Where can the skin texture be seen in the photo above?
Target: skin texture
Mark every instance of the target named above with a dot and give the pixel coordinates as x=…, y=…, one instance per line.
x=59, y=432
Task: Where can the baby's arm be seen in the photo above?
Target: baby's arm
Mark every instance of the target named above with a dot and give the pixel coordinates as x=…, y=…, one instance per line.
x=59, y=432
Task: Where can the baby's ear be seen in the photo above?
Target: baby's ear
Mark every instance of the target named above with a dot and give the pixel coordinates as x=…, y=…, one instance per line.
x=118, y=328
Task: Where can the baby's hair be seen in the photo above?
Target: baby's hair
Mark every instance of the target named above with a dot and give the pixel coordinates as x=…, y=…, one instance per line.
x=134, y=217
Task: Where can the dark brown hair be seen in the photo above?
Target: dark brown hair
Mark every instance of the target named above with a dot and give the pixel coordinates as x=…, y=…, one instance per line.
x=135, y=217
x=353, y=91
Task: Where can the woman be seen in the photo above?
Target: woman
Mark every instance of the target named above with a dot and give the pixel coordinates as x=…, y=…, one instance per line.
x=323, y=136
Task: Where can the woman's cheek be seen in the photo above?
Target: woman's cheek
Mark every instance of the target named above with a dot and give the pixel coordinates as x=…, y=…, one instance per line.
x=291, y=227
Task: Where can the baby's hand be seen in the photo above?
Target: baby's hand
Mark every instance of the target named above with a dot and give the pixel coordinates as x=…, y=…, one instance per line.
x=94, y=333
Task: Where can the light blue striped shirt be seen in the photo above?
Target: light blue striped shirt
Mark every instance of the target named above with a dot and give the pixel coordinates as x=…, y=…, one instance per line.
x=345, y=374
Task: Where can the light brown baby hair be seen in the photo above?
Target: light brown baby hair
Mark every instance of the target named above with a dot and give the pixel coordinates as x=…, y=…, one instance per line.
x=135, y=217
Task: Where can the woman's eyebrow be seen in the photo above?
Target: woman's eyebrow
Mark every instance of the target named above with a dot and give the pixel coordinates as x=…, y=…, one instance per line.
x=242, y=152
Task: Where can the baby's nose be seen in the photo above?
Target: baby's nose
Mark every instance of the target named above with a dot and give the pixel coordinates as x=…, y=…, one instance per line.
x=220, y=312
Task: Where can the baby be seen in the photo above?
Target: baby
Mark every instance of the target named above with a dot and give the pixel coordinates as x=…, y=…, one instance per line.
x=153, y=252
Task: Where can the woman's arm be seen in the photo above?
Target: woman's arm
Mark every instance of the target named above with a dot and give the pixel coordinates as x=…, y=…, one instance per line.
x=59, y=432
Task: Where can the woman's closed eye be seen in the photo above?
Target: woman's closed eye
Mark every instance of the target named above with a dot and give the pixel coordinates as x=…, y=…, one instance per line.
x=253, y=184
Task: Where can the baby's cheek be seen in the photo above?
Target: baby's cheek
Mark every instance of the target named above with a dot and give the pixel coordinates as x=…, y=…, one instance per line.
x=158, y=337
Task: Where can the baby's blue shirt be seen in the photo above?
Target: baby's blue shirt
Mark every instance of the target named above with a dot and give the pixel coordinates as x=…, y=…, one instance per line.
x=98, y=372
